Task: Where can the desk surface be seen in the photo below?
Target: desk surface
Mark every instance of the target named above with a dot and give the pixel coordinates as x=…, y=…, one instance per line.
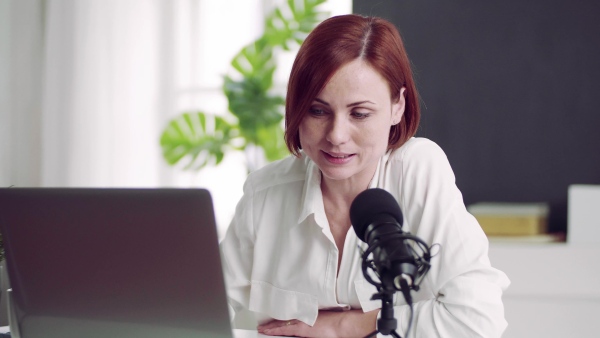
x=249, y=334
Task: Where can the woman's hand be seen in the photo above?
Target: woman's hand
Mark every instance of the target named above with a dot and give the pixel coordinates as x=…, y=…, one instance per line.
x=329, y=324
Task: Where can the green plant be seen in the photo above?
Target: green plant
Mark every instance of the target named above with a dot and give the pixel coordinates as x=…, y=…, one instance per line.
x=257, y=112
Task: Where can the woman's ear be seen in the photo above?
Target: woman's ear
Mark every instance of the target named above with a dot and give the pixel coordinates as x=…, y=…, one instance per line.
x=398, y=107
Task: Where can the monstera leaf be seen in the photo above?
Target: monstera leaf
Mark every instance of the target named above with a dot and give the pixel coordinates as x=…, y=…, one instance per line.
x=293, y=23
x=253, y=107
x=187, y=135
x=258, y=113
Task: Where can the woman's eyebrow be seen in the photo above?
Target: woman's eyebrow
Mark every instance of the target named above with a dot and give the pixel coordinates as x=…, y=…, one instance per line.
x=359, y=103
x=321, y=101
x=348, y=105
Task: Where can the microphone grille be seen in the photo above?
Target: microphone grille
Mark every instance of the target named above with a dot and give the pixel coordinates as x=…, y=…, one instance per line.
x=370, y=204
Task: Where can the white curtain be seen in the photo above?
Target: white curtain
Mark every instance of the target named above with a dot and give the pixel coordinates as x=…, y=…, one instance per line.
x=86, y=87
x=20, y=93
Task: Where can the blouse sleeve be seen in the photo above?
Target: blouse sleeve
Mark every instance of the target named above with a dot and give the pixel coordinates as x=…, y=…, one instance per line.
x=466, y=291
x=237, y=252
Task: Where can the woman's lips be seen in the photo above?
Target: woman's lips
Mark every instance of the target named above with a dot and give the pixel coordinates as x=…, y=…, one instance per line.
x=338, y=158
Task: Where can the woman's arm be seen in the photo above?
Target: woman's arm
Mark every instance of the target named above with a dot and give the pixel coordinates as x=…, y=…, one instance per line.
x=465, y=290
x=237, y=252
x=329, y=324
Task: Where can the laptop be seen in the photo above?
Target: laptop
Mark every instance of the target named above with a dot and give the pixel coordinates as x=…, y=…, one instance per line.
x=87, y=263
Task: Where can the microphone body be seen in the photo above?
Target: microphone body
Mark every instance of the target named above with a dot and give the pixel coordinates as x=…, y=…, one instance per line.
x=377, y=220
x=391, y=255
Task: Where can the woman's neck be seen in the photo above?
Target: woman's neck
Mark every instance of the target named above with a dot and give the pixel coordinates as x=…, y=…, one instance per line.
x=343, y=192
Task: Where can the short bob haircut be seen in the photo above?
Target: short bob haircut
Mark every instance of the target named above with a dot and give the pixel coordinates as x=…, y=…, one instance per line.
x=335, y=42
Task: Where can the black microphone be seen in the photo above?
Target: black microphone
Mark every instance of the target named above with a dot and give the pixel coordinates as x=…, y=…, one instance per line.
x=377, y=220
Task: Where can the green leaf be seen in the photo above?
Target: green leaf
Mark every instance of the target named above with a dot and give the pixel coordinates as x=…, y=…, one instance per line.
x=187, y=137
x=254, y=60
x=252, y=105
x=272, y=141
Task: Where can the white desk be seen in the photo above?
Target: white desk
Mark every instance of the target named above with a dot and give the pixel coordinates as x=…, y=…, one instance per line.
x=554, y=289
x=249, y=334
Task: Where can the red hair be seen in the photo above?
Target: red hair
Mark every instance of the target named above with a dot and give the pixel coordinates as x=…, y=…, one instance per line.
x=335, y=42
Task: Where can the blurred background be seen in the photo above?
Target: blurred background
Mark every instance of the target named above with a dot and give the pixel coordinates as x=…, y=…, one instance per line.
x=510, y=91
x=87, y=87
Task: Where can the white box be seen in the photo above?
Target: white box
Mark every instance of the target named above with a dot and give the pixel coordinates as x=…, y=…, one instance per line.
x=584, y=214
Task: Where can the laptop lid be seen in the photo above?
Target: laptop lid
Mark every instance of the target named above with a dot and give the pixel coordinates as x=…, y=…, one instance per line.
x=113, y=263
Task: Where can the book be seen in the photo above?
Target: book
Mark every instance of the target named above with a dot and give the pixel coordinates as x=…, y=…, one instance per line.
x=511, y=219
x=529, y=239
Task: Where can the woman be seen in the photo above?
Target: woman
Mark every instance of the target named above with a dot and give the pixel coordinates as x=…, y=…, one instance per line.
x=290, y=257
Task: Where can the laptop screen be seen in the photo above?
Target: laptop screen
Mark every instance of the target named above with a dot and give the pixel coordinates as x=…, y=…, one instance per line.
x=119, y=262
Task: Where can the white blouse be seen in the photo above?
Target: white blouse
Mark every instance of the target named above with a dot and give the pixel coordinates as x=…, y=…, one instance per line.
x=280, y=259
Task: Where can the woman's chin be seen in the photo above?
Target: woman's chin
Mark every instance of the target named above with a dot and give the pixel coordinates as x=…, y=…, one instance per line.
x=337, y=174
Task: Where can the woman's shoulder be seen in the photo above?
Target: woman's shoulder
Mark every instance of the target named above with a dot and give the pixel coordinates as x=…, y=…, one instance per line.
x=418, y=149
x=287, y=170
x=419, y=160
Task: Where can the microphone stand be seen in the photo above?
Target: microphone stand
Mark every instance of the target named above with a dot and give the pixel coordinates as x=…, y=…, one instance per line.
x=387, y=323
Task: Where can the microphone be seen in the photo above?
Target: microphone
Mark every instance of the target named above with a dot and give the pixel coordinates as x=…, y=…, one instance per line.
x=377, y=220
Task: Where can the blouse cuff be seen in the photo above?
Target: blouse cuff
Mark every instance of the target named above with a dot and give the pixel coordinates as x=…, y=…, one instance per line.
x=283, y=304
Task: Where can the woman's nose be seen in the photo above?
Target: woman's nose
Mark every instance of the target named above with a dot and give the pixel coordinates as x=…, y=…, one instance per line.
x=338, y=131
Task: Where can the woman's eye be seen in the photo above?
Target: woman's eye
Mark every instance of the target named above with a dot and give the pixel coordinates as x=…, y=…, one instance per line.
x=360, y=115
x=316, y=111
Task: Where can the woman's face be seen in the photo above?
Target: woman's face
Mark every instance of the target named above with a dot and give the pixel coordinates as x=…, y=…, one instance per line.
x=347, y=128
